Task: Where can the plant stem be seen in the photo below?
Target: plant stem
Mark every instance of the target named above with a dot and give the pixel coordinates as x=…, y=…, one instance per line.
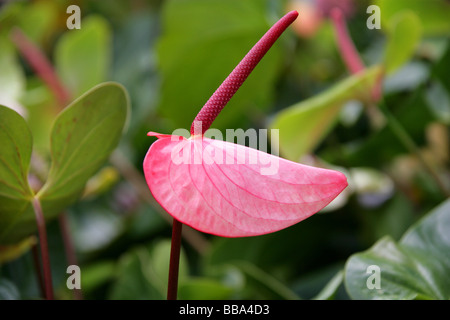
x=69, y=248
x=211, y=110
x=346, y=46
x=45, y=257
x=354, y=64
x=37, y=268
x=175, y=248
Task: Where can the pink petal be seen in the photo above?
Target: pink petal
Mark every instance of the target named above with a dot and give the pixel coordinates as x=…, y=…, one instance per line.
x=234, y=191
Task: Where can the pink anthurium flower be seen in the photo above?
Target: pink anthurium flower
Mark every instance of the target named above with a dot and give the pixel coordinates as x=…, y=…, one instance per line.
x=228, y=189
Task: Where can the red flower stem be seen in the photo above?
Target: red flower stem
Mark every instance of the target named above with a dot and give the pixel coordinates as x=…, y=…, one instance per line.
x=354, y=64
x=232, y=83
x=209, y=112
x=175, y=248
x=40, y=64
x=346, y=46
x=42, y=231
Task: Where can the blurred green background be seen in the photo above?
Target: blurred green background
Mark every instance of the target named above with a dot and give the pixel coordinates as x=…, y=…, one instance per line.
x=171, y=55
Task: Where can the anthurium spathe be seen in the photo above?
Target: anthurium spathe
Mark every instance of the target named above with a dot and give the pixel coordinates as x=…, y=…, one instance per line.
x=228, y=189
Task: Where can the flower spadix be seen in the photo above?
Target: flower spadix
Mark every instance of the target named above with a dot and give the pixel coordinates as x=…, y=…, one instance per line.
x=227, y=189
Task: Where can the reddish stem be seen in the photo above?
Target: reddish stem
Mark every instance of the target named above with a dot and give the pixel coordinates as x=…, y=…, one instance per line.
x=40, y=64
x=38, y=269
x=42, y=231
x=231, y=84
x=209, y=112
x=69, y=248
x=172, y=287
x=346, y=46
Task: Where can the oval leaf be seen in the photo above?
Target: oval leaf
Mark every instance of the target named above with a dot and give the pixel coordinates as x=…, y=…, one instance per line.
x=82, y=57
x=405, y=33
x=82, y=138
x=231, y=190
x=15, y=155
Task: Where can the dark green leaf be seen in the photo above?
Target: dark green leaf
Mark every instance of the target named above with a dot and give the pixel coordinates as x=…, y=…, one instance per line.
x=415, y=268
x=142, y=272
x=136, y=279
x=264, y=283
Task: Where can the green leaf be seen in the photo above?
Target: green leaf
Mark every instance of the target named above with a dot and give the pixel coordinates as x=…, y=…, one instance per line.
x=15, y=155
x=203, y=289
x=8, y=291
x=264, y=283
x=404, y=35
x=96, y=275
x=12, y=79
x=433, y=14
x=82, y=138
x=82, y=57
x=12, y=252
x=142, y=272
x=303, y=125
x=202, y=42
x=135, y=278
x=329, y=291
x=416, y=267
x=160, y=262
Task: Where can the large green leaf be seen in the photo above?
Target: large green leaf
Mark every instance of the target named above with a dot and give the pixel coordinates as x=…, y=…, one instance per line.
x=416, y=267
x=404, y=35
x=433, y=14
x=202, y=42
x=82, y=138
x=303, y=125
x=82, y=57
x=15, y=154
